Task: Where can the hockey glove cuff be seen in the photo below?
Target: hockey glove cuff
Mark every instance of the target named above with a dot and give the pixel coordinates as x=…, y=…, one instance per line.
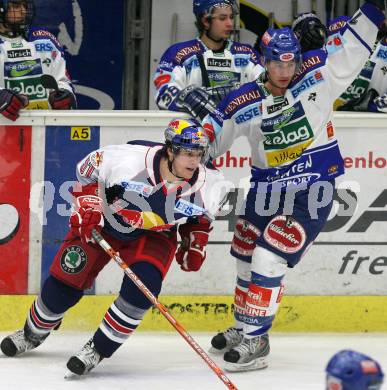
x=62, y=100
x=87, y=214
x=11, y=103
x=192, y=251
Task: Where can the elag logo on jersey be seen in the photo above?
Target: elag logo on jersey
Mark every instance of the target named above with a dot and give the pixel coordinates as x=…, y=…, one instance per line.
x=29, y=86
x=219, y=62
x=285, y=234
x=19, y=53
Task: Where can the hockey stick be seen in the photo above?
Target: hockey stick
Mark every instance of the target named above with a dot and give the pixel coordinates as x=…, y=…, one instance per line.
x=163, y=310
x=203, y=71
x=49, y=82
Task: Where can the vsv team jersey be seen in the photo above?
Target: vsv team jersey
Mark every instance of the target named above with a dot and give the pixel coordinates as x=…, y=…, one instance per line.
x=292, y=137
x=24, y=61
x=179, y=67
x=372, y=76
x=138, y=199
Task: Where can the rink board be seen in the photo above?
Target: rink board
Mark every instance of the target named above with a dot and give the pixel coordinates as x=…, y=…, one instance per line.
x=348, y=259
x=214, y=313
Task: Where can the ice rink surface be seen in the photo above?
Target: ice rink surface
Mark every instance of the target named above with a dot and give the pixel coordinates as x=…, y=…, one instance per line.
x=158, y=361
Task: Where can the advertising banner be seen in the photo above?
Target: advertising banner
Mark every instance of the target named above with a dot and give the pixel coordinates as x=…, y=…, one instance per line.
x=92, y=35
x=65, y=147
x=15, y=164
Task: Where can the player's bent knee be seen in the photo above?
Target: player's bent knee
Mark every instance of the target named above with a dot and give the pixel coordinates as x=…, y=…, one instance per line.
x=267, y=263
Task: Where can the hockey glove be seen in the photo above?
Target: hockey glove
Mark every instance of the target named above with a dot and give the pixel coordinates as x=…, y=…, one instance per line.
x=219, y=93
x=381, y=103
x=192, y=250
x=310, y=31
x=195, y=101
x=87, y=214
x=62, y=100
x=11, y=103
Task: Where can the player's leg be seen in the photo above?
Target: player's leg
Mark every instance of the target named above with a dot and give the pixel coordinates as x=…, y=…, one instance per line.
x=262, y=300
x=127, y=311
x=242, y=248
x=120, y=320
x=45, y=314
x=73, y=270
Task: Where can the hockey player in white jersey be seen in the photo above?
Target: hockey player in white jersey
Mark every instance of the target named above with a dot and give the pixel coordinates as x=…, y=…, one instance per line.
x=136, y=195
x=196, y=75
x=288, y=120
x=26, y=53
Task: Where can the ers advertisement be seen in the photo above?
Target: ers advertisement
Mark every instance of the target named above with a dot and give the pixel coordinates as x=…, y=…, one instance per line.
x=15, y=164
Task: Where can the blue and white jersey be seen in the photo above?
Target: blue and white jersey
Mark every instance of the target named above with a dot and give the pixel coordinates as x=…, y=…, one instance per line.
x=24, y=61
x=179, y=67
x=379, y=74
x=292, y=137
x=137, y=199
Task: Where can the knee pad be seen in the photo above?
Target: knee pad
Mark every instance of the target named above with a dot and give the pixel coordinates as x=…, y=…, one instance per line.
x=243, y=270
x=58, y=296
x=267, y=263
x=150, y=276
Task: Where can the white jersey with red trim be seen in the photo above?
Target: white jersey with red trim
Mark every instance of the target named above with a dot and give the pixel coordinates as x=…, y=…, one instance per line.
x=292, y=137
x=24, y=60
x=137, y=196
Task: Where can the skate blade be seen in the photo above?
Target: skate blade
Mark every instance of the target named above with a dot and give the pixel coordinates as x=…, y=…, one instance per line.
x=256, y=364
x=69, y=375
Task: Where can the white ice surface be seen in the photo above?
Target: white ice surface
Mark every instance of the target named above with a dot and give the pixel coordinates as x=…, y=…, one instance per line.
x=158, y=361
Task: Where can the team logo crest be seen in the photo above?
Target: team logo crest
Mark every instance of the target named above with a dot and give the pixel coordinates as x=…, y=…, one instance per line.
x=73, y=259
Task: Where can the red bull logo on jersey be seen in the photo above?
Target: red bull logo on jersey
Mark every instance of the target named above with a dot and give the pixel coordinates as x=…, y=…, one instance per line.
x=147, y=220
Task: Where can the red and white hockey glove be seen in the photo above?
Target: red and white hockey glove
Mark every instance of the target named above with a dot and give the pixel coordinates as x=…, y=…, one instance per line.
x=11, y=103
x=62, y=100
x=87, y=214
x=192, y=250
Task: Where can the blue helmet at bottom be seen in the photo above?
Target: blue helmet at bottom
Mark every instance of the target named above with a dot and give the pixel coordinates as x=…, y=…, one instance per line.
x=351, y=370
x=280, y=45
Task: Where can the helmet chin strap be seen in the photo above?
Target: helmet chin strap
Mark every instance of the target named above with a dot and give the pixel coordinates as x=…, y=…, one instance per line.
x=170, y=168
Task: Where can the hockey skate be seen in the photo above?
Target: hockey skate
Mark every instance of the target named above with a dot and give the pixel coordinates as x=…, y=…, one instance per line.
x=226, y=340
x=85, y=360
x=250, y=354
x=21, y=341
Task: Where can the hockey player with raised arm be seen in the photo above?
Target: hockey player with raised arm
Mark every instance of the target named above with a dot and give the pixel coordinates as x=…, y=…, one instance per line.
x=135, y=195
x=26, y=53
x=287, y=118
x=194, y=76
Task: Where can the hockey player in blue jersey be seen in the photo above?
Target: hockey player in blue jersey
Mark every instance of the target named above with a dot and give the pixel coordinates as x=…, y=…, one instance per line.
x=136, y=195
x=194, y=76
x=26, y=53
x=287, y=118
x=352, y=370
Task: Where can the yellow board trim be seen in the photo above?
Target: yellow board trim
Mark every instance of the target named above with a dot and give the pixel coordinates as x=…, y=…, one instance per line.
x=213, y=313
